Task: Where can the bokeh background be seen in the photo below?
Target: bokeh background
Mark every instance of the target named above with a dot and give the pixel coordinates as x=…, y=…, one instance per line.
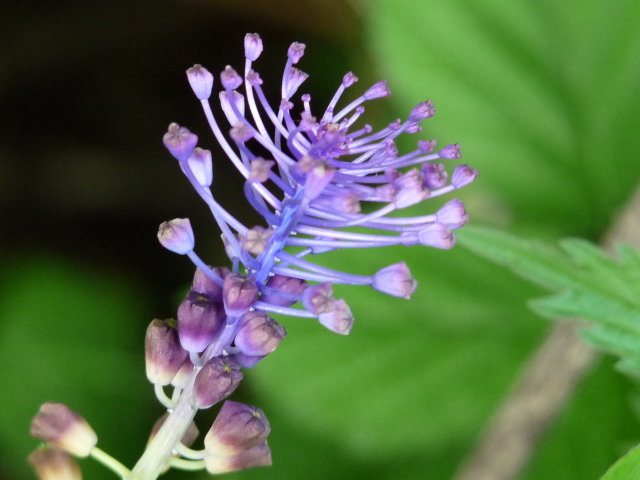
x=541, y=95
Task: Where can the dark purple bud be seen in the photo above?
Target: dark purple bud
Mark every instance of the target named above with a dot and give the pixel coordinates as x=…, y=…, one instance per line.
x=188, y=438
x=318, y=298
x=422, y=110
x=216, y=381
x=426, y=146
x=52, y=463
x=252, y=46
x=176, y=235
x=230, y=78
x=246, y=361
x=463, y=175
x=295, y=52
x=59, y=425
x=395, y=280
x=435, y=175
x=260, y=169
x=201, y=81
x=450, y=152
x=179, y=141
x=339, y=319
x=199, y=319
x=256, y=239
x=377, y=90
x=286, y=290
x=436, y=235
x=238, y=427
x=258, y=334
x=258, y=456
x=163, y=354
x=239, y=293
x=204, y=284
x=452, y=214
x=349, y=79
x=201, y=166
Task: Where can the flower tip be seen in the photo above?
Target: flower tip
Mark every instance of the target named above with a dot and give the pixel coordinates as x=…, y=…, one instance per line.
x=59, y=425
x=176, y=235
x=216, y=381
x=52, y=463
x=452, y=214
x=378, y=90
x=450, y=152
x=258, y=334
x=395, y=280
x=422, y=110
x=230, y=78
x=463, y=175
x=201, y=166
x=179, y=141
x=349, y=79
x=295, y=52
x=437, y=235
x=201, y=81
x=236, y=429
x=163, y=354
x=252, y=46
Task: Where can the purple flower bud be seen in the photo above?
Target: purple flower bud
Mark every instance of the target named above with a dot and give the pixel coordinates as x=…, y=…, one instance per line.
x=260, y=169
x=422, y=110
x=349, y=79
x=163, y=354
x=256, y=239
x=230, y=78
x=52, y=463
x=426, y=146
x=413, y=128
x=199, y=319
x=295, y=52
x=377, y=90
x=238, y=103
x=179, y=141
x=435, y=175
x=238, y=427
x=176, y=235
x=201, y=81
x=319, y=298
x=436, y=235
x=216, y=381
x=201, y=166
x=347, y=202
x=59, y=425
x=205, y=285
x=306, y=98
x=463, y=175
x=241, y=132
x=286, y=290
x=252, y=46
x=450, y=152
x=239, y=293
x=339, y=319
x=395, y=280
x=246, y=361
x=258, y=456
x=188, y=438
x=452, y=214
x=254, y=78
x=258, y=334
x=409, y=189
x=293, y=81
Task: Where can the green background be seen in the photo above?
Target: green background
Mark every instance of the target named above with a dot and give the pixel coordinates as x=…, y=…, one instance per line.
x=542, y=96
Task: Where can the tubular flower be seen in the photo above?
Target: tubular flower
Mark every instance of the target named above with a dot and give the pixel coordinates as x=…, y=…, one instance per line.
x=313, y=175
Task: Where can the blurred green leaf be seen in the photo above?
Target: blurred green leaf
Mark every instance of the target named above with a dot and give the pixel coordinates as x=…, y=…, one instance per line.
x=541, y=96
x=74, y=336
x=628, y=467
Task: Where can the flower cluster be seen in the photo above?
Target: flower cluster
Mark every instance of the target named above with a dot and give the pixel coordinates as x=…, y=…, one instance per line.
x=314, y=178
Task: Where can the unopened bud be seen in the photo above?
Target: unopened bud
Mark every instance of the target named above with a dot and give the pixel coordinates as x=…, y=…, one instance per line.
x=230, y=78
x=238, y=427
x=201, y=81
x=339, y=319
x=176, y=235
x=216, y=381
x=295, y=52
x=422, y=110
x=377, y=90
x=252, y=46
x=52, y=463
x=395, y=280
x=318, y=298
x=450, y=152
x=163, y=354
x=179, y=141
x=285, y=291
x=206, y=285
x=201, y=166
x=452, y=214
x=436, y=235
x=463, y=175
x=258, y=456
x=239, y=293
x=199, y=319
x=59, y=425
x=258, y=334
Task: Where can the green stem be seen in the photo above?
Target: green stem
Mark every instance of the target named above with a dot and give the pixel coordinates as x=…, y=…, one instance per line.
x=111, y=463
